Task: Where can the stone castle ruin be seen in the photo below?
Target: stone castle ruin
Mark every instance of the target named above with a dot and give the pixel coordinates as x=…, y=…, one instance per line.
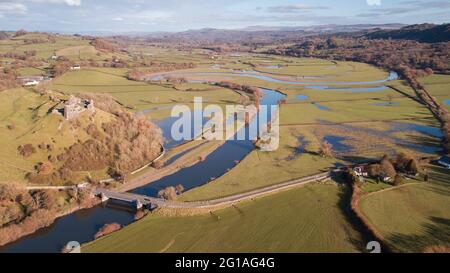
x=75, y=106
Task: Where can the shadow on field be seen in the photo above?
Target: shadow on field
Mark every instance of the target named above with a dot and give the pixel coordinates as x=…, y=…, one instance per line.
x=357, y=159
x=364, y=237
x=440, y=179
x=345, y=195
x=435, y=233
x=424, y=144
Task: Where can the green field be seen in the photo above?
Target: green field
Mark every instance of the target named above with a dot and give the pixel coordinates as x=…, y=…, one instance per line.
x=138, y=95
x=28, y=113
x=438, y=86
x=415, y=216
x=308, y=219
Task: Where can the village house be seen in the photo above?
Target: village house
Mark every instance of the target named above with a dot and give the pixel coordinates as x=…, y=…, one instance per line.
x=75, y=67
x=445, y=161
x=361, y=171
x=385, y=178
x=74, y=107
x=30, y=80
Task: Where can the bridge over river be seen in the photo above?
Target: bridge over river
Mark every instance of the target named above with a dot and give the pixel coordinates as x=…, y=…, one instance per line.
x=140, y=201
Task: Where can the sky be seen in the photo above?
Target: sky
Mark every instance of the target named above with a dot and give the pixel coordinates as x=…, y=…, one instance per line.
x=180, y=15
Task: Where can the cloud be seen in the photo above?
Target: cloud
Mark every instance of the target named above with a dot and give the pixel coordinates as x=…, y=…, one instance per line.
x=374, y=2
x=428, y=4
x=67, y=2
x=146, y=16
x=294, y=8
x=12, y=8
x=406, y=7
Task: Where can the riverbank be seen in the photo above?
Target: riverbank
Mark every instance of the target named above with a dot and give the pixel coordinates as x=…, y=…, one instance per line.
x=41, y=219
x=185, y=161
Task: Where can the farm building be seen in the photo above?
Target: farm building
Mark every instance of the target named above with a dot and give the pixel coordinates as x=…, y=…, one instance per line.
x=445, y=161
x=361, y=171
x=31, y=80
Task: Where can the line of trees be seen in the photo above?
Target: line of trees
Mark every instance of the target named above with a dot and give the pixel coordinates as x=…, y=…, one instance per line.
x=23, y=212
x=8, y=79
x=390, y=54
x=393, y=168
x=255, y=91
x=411, y=59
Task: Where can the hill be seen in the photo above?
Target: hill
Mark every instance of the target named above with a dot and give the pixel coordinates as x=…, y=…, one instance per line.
x=259, y=34
x=3, y=35
x=41, y=147
x=426, y=33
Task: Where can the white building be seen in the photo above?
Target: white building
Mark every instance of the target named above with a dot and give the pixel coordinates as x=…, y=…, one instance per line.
x=445, y=161
x=30, y=80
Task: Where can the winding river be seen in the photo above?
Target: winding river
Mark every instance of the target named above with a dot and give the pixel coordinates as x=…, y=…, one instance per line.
x=257, y=75
x=82, y=225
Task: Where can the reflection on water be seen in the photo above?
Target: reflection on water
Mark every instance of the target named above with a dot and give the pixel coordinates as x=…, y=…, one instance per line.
x=302, y=97
x=353, y=90
x=253, y=74
x=272, y=67
x=217, y=163
x=387, y=103
x=429, y=143
x=337, y=143
x=80, y=226
x=166, y=128
x=321, y=107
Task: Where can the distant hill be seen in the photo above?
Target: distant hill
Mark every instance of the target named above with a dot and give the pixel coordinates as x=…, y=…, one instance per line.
x=3, y=35
x=263, y=33
x=426, y=33
x=325, y=28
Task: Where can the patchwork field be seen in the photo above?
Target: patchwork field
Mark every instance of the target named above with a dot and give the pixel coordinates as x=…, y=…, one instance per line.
x=350, y=105
x=309, y=219
x=138, y=95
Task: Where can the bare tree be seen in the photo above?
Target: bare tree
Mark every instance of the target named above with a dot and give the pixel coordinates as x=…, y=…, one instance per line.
x=326, y=149
x=169, y=193
x=179, y=188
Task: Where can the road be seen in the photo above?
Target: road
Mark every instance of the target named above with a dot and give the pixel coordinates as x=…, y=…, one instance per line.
x=221, y=202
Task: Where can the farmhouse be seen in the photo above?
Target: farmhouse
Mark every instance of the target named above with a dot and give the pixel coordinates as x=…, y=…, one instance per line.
x=445, y=161
x=385, y=178
x=31, y=80
x=361, y=171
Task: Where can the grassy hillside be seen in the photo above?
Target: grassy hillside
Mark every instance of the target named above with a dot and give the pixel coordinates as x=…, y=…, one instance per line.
x=138, y=95
x=26, y=118
x=309, y=219
x=413, y=217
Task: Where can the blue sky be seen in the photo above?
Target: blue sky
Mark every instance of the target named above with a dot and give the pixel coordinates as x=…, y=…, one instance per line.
x=178, y=15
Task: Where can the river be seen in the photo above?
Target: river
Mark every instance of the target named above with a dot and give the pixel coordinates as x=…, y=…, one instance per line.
x=81, y=226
